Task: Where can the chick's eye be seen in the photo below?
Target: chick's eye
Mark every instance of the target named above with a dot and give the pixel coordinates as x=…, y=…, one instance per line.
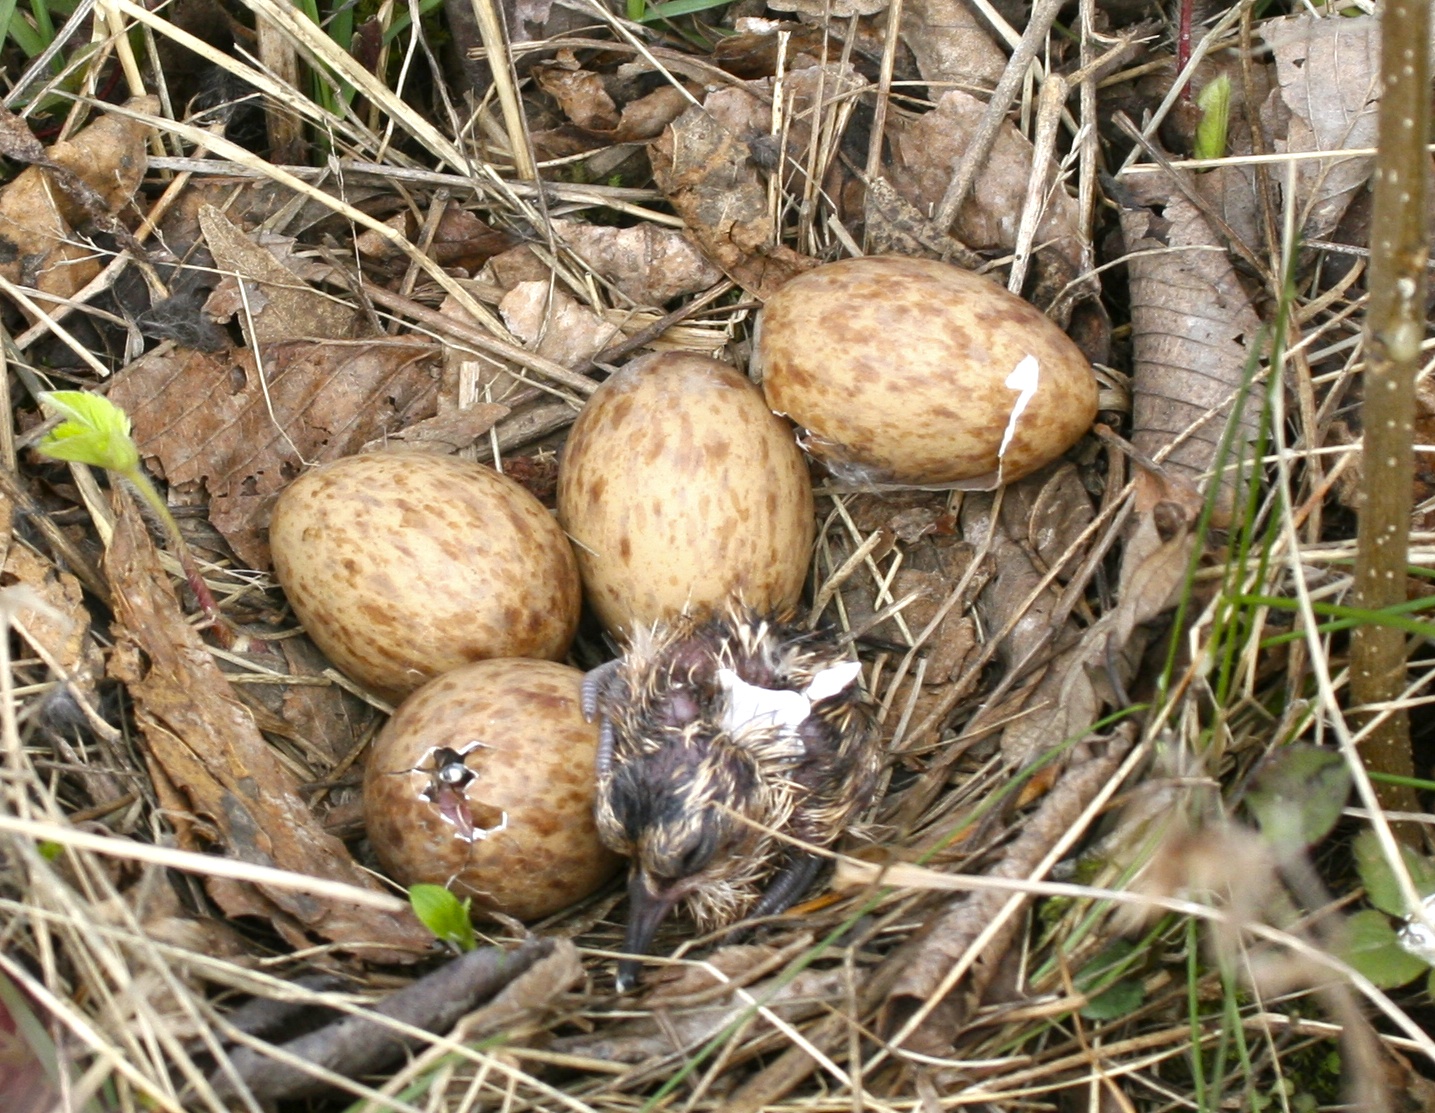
x=698, y=854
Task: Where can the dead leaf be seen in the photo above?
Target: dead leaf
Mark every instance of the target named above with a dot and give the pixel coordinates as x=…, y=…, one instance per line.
x=707, y=175
x=554, y=325
x=663, y=1032
x=525, y=1001
x=895, y=226
x=258, y=288
x=1328, y=69
x=326, y=724
x=204, y=745
x=1194, y=333
x=1098, y=671
x=925, y=151
x=87, y=178
x=214, y=420
x=580, y=94
x=1056, y=512
x=951, y=44
x=824, y=9
x=650, y=264
x=58, y=625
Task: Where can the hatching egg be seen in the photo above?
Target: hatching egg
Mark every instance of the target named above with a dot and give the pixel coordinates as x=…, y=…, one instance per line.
x=484, y=781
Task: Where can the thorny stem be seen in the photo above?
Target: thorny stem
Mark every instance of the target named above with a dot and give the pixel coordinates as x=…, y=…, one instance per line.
x=1394, y=329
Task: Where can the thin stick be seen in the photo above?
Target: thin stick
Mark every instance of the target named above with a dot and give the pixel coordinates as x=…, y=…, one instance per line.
x=975, y=157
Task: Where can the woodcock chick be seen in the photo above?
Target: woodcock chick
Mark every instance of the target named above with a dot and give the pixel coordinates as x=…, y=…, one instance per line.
x=710, y=732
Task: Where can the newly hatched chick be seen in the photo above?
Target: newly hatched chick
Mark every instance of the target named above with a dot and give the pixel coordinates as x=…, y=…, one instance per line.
x=710, y=732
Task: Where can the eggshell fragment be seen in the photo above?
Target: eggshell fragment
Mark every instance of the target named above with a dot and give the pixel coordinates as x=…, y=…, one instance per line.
x=484, y=781
x=402, y=566
x=912, y=371
x=680, y=490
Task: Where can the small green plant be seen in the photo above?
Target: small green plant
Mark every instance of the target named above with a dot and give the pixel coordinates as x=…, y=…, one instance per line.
x=1387, y=955
x=444, y=914
x=34, y=31
x=97, y=432
x=640, y=11
x=1215, y=105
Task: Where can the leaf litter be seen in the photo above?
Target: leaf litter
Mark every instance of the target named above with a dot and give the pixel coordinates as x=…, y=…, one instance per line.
x=1014, y=642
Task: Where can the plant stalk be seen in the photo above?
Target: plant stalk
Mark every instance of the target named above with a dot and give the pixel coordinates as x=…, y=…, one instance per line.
x=1394, y=329
x=202, y=595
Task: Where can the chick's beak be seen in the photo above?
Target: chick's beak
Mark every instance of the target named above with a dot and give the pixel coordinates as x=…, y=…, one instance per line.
x=648, y=904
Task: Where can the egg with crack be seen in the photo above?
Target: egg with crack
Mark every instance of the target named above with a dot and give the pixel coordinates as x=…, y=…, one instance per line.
x=912, y=371
x=484, y=781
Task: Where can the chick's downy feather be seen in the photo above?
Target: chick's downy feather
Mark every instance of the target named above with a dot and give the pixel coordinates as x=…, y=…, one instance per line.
x=716, y=733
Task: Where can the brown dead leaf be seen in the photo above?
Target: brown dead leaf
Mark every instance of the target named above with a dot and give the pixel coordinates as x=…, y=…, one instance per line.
x=926, y=149
x=555, y=325
x=1328, y=69
x=528, y=1000
x=1194, y=332
x=1056, y=511
x=210, y=419
x=824, y=9
x=707, y=174
x=258, y=288
x=650, y=264
x=896, y=226
x=325, y=723
x=84, y=179
x=579, y=93
x=662, y=1032
x=753, y=51
x=203, y=744
x=1098, y=671
x=58, y=625
x=587, y=100
x=951, y=44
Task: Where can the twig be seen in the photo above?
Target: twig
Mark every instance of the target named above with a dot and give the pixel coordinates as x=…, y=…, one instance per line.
x=1042, y=17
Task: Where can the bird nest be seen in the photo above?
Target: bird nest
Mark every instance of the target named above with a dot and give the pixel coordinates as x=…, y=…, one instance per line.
x=1046, y=899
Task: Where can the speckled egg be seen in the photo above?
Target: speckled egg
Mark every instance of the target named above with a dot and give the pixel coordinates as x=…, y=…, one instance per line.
x=484, y=781
x=402, y=566
x=912, y=371
x=680, y=490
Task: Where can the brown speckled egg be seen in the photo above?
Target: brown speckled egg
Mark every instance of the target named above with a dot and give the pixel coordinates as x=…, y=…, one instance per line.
x=484, y=781
x=402, y=566
x=681, y=489
x=913, y=371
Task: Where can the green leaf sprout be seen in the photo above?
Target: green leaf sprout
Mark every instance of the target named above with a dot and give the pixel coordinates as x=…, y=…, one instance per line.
x=1214, y=102
x=444, y=915
x=95, y=432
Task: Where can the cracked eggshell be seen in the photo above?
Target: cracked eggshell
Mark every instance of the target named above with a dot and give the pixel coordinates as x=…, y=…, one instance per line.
x=513, y=827
x=402, y=566
x=680, y=490
x=912, y=371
